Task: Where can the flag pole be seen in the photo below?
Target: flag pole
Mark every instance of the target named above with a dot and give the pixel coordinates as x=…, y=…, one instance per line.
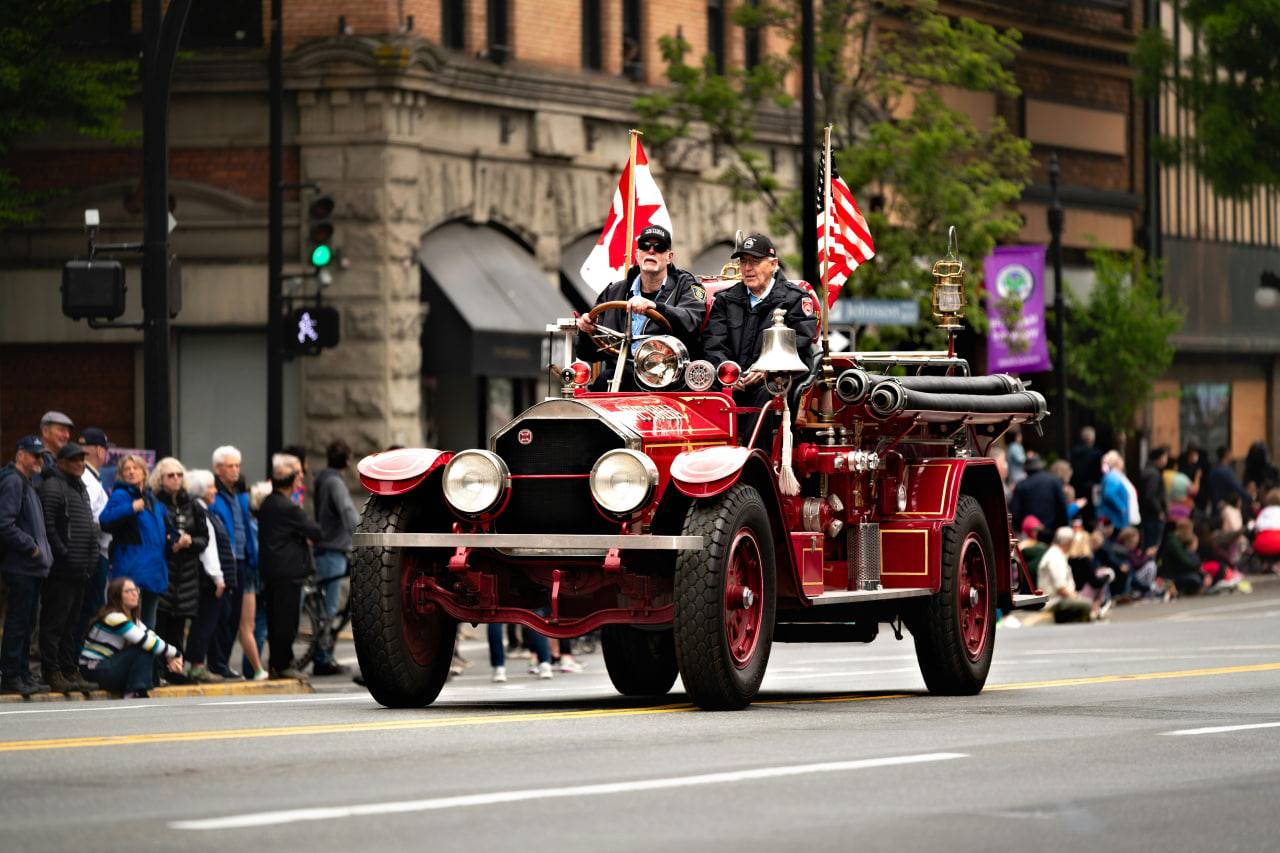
x=629, y=224
x=826, y=405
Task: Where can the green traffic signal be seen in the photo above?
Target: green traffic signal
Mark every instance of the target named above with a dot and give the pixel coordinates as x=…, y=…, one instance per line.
x=321, y=256
x=320, y=230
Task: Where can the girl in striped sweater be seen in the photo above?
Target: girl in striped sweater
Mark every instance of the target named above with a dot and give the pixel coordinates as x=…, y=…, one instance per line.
x=121, y=653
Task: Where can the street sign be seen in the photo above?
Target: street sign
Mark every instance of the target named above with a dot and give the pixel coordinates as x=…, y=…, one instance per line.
x=878, y=312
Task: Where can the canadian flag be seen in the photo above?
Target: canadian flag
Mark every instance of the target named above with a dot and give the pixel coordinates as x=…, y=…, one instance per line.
x=611, y=257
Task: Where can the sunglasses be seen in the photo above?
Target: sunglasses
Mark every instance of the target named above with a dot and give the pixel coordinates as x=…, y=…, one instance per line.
x=177, y=474
x=651, y=246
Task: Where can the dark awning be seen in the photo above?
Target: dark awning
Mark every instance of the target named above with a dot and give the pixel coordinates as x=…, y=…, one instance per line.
x=489, y=304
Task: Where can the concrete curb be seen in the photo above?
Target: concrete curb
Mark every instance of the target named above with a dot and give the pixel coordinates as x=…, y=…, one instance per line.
x=277, y=687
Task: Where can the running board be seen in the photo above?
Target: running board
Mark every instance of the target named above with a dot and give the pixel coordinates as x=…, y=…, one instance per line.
x=855, y=596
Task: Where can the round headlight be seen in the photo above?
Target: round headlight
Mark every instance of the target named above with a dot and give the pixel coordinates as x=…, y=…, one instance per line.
x=623, y=480
x=475, y=480
x=660, y=362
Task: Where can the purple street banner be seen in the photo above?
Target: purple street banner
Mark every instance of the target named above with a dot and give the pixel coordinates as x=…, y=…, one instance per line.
x=1015, y=276
x=115, y=454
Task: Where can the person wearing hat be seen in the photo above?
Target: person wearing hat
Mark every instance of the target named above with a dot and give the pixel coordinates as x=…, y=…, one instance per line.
x=73, y=538
x=1030, y=545
x=99, y=478
x=740, y=314
x=1041, y=495
x=97, y=447
x=24, y=564
x=55, y=431
x=653, y=283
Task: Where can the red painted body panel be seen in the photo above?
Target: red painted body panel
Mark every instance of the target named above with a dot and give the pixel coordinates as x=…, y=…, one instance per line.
x=397, y=472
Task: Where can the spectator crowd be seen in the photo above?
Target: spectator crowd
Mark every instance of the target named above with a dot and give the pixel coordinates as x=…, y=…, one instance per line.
x=118, y=576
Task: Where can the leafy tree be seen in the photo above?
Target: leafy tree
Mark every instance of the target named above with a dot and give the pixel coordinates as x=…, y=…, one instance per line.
x=1118, y=341
x=917, y=165
x=1229, y=86
x=40, y=84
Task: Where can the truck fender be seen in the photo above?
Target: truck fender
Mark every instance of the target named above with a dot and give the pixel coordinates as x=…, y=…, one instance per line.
x=708, y=471
x=396, y=472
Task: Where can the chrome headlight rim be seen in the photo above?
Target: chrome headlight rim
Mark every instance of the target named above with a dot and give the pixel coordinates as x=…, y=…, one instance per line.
x=646, y=477
x=489, y=499
x=678, y=351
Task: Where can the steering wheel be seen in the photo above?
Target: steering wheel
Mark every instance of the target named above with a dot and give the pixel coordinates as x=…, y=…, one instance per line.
x=610, y=340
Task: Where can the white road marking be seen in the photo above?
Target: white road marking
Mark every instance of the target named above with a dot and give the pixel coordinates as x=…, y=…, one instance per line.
x=121, y=706
x=343, y=697
x=277, y=818
x=1213, y=730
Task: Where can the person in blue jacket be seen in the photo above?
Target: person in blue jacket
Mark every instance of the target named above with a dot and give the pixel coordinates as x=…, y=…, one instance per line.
x=136, y=522
x=238, y=610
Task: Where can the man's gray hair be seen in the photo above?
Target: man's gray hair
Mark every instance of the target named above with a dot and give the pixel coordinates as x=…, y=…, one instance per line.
x=284, y=465
x=1064, y=536
x=225, y=452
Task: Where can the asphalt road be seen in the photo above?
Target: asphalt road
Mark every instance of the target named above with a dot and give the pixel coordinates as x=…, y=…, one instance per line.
x=1156, y=731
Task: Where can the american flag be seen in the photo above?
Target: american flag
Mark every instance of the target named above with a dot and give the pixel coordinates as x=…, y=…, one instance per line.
x=849, y=240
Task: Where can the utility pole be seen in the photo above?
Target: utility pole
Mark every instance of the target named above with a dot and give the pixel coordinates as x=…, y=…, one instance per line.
x=161, y=32
x=275, y=247
x=1056, y=218
x=808, y=144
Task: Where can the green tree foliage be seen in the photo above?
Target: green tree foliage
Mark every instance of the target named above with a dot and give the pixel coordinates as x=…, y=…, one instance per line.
x=881, y=68
x=1229, y=86
x=1118, y=342
x=40, y=84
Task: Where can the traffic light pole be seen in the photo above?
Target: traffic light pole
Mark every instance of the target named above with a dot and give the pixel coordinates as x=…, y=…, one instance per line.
x=275, y=249
x=161, y=32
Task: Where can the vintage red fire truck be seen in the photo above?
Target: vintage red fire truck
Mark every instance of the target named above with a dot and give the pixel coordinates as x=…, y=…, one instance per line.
x=647, y=516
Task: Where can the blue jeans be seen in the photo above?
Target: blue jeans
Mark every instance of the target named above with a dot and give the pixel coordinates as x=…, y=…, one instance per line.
x=497, y=651
x=331, y=567
x=131, y=668
x=24, y=604
x=224, y=633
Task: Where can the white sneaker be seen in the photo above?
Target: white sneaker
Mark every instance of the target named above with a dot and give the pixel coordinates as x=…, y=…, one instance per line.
x=499, y=674
x=544, y=669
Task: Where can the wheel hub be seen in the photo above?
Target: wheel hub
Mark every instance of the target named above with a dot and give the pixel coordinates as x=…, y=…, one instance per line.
x=740, y=597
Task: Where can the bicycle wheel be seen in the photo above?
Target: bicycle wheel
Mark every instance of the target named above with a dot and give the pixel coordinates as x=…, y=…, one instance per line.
x=317, y=624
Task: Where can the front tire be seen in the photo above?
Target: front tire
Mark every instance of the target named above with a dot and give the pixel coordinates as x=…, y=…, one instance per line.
x=640, y=663
x=404, y=656
x=955, y=630
x=725, y=599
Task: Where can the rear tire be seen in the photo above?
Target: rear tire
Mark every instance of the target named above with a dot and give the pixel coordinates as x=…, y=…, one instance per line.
x=955, y=630
x=725, y=598
x=404, y=656
x=640, y=663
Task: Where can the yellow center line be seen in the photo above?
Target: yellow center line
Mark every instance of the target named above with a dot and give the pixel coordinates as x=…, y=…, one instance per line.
x=443, y=722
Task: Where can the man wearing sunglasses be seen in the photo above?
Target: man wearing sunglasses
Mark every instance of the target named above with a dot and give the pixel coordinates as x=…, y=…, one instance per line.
x=652, y=283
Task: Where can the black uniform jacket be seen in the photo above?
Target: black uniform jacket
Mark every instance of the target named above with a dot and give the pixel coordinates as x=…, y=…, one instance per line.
x=682, y=302
x=734, y=329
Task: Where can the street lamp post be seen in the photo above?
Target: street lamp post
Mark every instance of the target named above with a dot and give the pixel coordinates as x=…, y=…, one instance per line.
x=1059, y=308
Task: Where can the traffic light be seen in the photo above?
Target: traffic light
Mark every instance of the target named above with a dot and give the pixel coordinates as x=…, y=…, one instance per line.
x=308, y=330
x=320, y=230
x=93, y=289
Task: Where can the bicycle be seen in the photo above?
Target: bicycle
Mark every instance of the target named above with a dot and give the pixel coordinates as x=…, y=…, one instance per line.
x=317, y=629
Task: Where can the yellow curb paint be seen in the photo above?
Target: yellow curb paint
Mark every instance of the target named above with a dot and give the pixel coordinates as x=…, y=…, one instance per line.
x=448, y=722
x=279, y=687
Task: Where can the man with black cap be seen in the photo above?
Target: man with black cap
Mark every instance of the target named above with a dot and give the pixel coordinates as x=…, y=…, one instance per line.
x=741, y=313
x=73, y=540
x=55, y=431
x=98, y=479
x=653, y=283
x=24, y=564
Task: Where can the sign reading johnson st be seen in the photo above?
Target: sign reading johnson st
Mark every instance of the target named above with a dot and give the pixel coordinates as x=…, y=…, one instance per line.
x=875, y=312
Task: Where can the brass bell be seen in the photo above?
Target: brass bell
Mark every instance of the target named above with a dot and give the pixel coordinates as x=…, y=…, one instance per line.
x=778, y=349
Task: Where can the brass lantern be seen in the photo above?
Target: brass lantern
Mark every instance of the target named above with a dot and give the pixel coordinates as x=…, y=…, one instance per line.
x=948, y=287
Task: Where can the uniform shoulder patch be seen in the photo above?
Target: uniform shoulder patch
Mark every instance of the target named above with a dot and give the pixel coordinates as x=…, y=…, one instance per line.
x=699, y=293
x=806, y=304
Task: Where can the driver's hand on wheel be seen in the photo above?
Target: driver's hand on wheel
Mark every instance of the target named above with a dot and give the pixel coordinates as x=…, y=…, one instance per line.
x=585, y=325
x=639, y=305
x=746, y=380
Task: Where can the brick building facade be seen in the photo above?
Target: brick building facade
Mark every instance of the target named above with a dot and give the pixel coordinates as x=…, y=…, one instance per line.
x=442, y=127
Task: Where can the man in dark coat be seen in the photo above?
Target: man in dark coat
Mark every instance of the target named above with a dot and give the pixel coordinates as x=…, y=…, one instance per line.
x=1040, y=494
x=285, y=534
x=337, y=517
x=73, y=539
x=1153, y=505
x=653, y=284
x=25, y=559
x=741, y=313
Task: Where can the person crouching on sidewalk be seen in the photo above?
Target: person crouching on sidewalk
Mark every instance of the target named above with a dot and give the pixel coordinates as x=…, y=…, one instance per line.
x=120, y=653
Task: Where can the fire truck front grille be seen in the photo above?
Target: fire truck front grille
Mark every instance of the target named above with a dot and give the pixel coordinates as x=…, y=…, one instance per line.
x=554, y=449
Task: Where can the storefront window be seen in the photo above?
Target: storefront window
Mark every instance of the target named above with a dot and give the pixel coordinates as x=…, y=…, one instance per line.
x=1204, y=414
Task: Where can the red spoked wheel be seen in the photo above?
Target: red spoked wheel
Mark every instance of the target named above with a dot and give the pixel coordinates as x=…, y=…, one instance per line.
x=725, y=600
x=954, y=630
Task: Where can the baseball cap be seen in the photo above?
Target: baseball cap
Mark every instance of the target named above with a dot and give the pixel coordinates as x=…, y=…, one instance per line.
x=52, y=417
x=657, y=233
x=1030, y=524
x=31, y=444
x=70, y=450
x=758, y=246
x=92, y=436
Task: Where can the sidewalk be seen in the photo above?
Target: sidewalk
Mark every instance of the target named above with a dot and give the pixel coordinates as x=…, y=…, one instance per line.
x=226, y=688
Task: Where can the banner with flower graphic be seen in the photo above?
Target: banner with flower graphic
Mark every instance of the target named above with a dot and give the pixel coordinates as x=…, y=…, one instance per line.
x=1015, y=310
